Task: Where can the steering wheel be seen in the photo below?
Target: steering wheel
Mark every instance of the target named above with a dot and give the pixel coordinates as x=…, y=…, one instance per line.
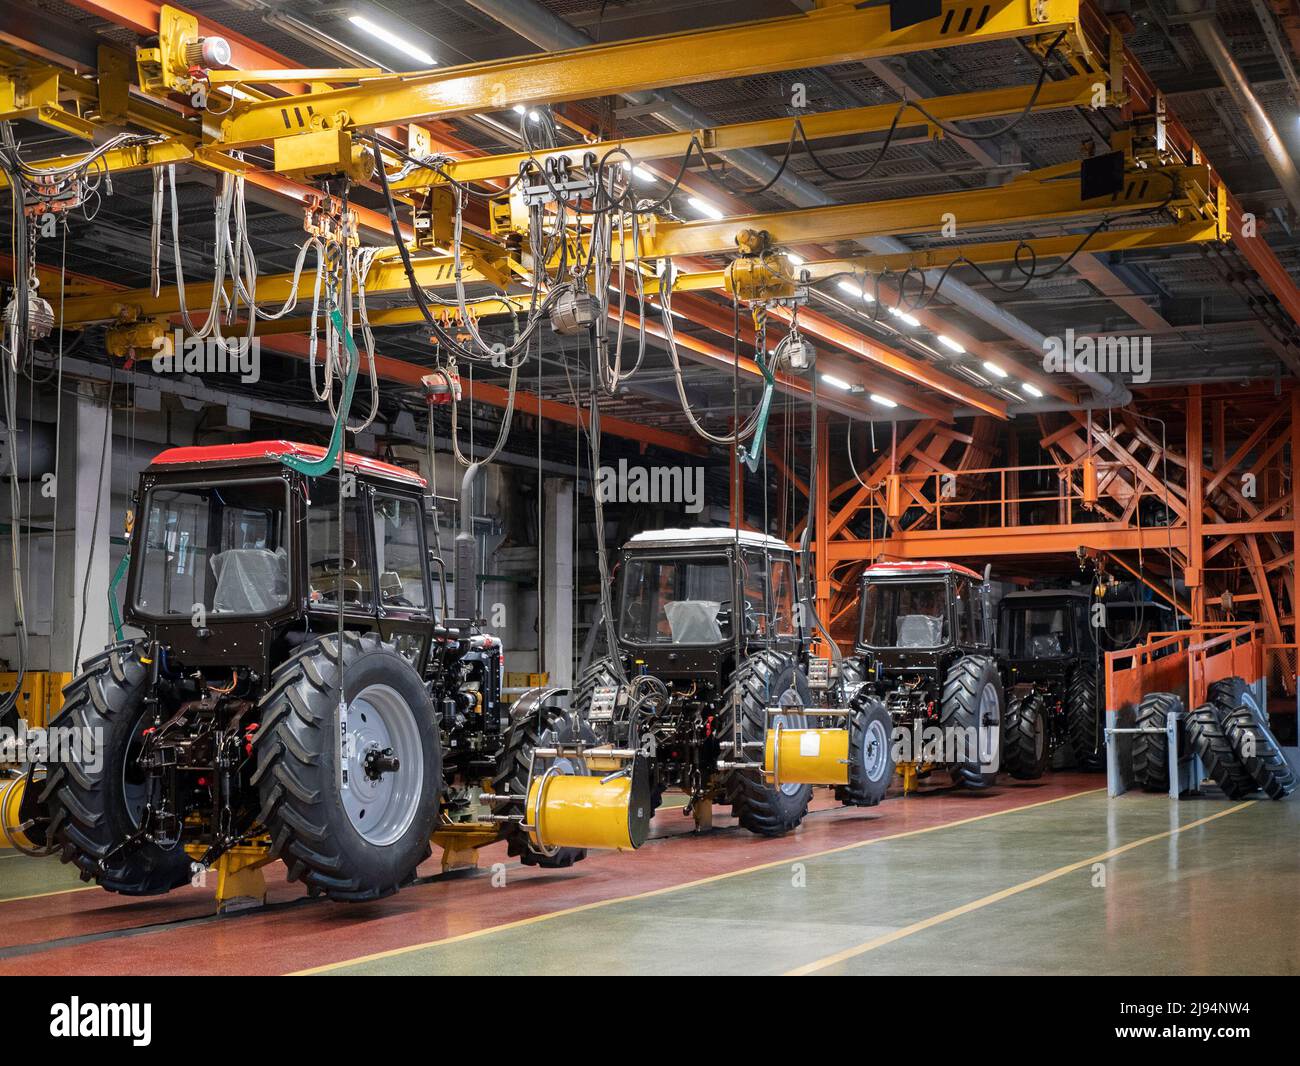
x=328, y=592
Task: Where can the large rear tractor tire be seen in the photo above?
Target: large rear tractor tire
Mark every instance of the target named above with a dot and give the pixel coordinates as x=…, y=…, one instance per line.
x=538, y=726
x=972, y=703
x=1151, y=750
x=96, y=803
x=767, y=678
x=871, y=754
x=1024, y=736
x=1259, y=752
x=363, y=841
x=1205, y=733
x=1083, y=720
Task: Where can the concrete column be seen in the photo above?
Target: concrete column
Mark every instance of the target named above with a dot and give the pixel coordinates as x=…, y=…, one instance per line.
x=79, y=544
x=557, y=580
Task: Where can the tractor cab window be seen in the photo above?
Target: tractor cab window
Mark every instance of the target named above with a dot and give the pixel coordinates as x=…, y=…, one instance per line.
x=899, y=614
x=757, y=621
x=328, y=575
x=221, y=548
x=784, y=597
x=402, y=561
x=676, y=601
x=968, y=631
x=1039, y=632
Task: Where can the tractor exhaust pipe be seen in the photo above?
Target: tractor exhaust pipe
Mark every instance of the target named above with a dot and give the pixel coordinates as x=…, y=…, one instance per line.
x=467, y=549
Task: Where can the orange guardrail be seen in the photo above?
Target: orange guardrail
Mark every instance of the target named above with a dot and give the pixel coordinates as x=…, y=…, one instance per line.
x=1186, y=662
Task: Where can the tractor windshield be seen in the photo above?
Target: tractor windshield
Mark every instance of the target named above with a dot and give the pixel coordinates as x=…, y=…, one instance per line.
x=1039, y=632
x=219, y=547
x=897, y=614
x=677, y=601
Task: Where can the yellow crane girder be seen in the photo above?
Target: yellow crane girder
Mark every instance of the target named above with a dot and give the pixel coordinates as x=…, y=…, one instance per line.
x=1079, y=91
x=820, y=38
x=1177, y=188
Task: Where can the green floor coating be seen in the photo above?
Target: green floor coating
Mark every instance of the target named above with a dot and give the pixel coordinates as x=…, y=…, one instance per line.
x=1218, y=898
x=21, y=875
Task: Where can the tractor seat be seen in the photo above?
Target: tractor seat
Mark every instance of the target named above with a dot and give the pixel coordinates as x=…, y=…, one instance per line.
x=1045, y=646
x=250, y=581
x=919, y=631
x=694, y=621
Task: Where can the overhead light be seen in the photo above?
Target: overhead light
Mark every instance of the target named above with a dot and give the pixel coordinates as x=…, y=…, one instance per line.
x=904, y=317
x=856, y=290
x=884, y=401
x=836, y=383
x=1033, y=390
x=534, y=116
x=994, y=369
x=643, y=174
x=704, y=208
x=393, y=40
x=949, y=343
x=797, y=260
x=519, y=109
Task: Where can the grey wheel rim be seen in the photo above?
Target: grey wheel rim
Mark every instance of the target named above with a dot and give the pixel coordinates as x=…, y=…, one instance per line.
x=989, y=729
x=789, y=698
x=875, y=750
x=381, y=808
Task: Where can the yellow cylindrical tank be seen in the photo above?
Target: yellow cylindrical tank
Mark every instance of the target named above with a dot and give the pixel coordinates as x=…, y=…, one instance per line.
x=807, y=756
x=579, y=811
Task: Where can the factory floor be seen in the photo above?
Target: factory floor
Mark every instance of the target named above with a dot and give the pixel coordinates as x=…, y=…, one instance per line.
x=1034, y=877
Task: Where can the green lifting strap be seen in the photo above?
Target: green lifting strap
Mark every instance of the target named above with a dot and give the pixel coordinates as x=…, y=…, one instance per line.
x=749, y=456
x=112, y=592
x=327, y=462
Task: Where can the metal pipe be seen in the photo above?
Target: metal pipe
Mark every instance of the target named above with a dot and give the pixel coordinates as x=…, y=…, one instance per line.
x=1210, y=37
x=535, y=23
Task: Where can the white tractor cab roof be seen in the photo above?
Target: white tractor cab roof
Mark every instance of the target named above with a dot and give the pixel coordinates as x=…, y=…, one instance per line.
x=703, y=536
x=917, y=568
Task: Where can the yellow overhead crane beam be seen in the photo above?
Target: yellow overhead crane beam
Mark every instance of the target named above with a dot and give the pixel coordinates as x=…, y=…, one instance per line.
x=820, y=38
x=386, y=276
x=1181, y=189
x=1032, y=249
x=1078, y=91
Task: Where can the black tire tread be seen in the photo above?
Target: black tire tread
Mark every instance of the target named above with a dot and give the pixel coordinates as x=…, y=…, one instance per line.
x=1207, y=738
x=103, y=696
x=1082, y=725
x=1020, y=757
x=756, y=805
x=1267, y=766
x=959, y=706
x=296, y=721
x=1151, y=750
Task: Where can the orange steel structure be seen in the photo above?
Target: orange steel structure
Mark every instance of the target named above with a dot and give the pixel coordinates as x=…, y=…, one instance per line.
x=1192, y=494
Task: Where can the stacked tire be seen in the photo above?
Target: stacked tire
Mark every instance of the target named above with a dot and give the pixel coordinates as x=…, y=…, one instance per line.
x=1229, y=733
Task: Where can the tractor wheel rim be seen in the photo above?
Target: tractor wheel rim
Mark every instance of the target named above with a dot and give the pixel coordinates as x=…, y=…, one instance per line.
x=990, y=728
x=382, y=808
x=875, y=750
x=789, y=698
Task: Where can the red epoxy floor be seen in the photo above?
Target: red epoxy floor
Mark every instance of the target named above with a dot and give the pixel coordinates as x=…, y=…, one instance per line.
x=122, y=936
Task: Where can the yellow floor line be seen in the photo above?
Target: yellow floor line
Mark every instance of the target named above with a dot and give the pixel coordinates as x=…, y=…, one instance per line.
x=596, y=904
x=43, y=895
x=977, y=904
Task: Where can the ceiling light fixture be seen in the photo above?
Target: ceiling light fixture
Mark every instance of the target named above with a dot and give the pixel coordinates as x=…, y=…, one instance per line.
x=704, y=208
x=836, y=383
x=884, y=401
x=949, y=343
x=393, y=40
x=994, y=369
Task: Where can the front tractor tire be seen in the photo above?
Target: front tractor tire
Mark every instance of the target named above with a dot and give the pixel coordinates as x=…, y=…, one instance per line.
x=536, y=725
x=96, y=804
x=767, y=678
x=363, y=841
x=1024, y=737
x=972, y=704
x=1083, y=720
x=871, y=754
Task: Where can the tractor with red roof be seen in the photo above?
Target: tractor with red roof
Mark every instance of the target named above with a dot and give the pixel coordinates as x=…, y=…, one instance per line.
x=295, y=693
x=924, y=666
